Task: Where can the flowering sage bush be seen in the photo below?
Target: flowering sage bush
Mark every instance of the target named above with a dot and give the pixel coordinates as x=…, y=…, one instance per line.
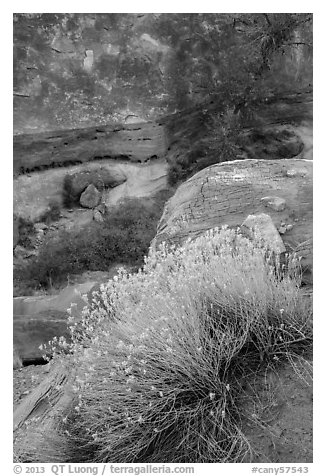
x=160, y=356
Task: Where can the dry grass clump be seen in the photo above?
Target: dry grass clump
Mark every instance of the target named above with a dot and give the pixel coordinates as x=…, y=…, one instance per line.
x=161, y=356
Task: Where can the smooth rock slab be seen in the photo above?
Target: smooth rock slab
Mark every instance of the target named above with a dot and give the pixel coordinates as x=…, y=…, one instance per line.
x=37, y=319
x=226, y=193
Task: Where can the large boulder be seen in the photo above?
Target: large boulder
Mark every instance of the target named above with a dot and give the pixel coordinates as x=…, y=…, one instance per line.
x=226, y=193
x=99, y=177
x=90, y=198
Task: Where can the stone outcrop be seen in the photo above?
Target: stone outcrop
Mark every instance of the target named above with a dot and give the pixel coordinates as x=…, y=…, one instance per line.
x=226, y=193
x=134, y=142
x=99, y=177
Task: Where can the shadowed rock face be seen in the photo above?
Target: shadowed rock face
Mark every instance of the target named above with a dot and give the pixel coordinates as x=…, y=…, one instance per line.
x=226, y=193
x=74, y=70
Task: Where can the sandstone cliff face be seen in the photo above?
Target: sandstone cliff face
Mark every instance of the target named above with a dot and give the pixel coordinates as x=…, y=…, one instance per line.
x=226, y=193
x=135, y=142
x=80, y=69
x=75, y=70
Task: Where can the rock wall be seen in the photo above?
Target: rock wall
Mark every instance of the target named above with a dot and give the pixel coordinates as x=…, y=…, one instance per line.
x=82, y=69
x=74, y=70
x=134, y=142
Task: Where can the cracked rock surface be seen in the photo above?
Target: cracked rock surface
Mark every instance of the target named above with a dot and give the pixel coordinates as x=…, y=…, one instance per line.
x=226, y=193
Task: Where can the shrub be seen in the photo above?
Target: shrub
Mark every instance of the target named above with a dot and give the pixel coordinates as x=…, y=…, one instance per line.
x=162, y=356
x=26, y=231
x=187, y=162
x=70, y=198
x=222, y=141
x=74, y=184
x=52, y=213
x=124, y=237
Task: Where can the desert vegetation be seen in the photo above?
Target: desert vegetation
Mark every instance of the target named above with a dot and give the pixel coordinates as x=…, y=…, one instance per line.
x=258, y=60
x=26, y=231
x=164, y=358
x=219, y=139
x=52, y=213
x=123, y=237
x=161, y=358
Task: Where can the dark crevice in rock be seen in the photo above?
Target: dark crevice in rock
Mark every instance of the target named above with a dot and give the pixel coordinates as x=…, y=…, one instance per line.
x=35, y=361
x=135, y=143
x=52, y=165
x=69, y=163
x=21, y=95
